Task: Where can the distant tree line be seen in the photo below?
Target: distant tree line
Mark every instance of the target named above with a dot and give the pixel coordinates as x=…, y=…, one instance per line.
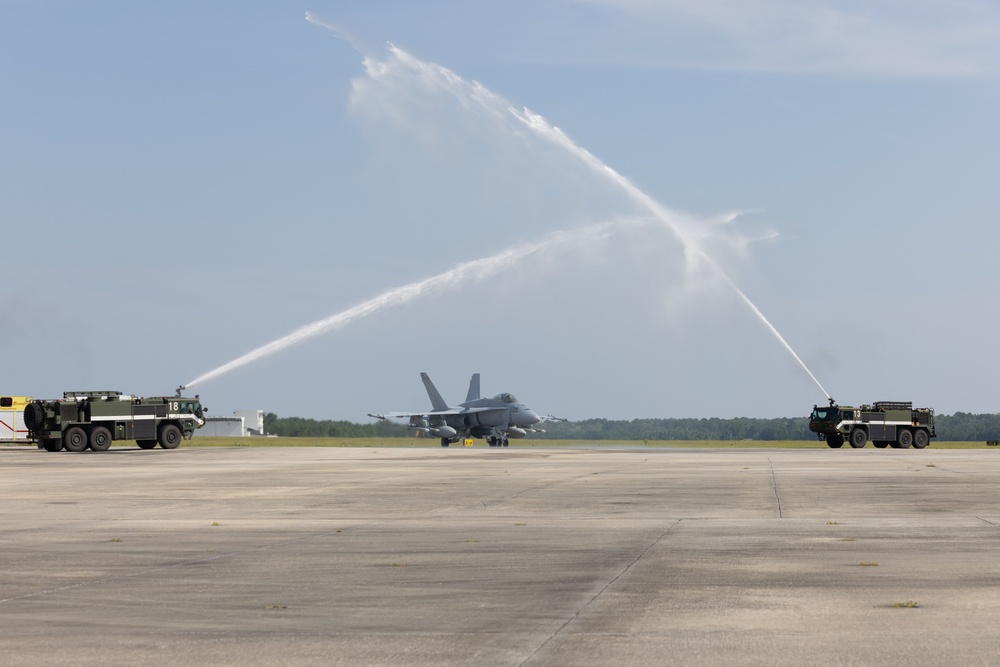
x=967, y=426
x=297, y=427
x=740, y=428
x=960, y=426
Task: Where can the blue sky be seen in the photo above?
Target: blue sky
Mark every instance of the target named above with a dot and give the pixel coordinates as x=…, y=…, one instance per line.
x=182, y=183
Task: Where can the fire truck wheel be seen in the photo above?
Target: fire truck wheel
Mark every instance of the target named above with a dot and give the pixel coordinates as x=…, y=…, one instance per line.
x=146, y=444
x=52, y=445
x=75, y=439
x=904, y=438
x=170, y=436
x=835, y=441
x=881, y=444
x=920, y=438
x=100, y=438
x=34, y=415
x=858, y=438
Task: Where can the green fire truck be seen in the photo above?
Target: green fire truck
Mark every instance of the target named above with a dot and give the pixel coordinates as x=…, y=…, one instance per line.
x=893, y=424
x=94, y=419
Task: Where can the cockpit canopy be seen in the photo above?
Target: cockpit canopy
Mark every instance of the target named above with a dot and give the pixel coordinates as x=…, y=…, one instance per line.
x=505, y=398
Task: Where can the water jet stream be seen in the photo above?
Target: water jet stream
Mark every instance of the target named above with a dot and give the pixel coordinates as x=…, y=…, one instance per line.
x=473, y=270
x=436, y=77
x=692, y=248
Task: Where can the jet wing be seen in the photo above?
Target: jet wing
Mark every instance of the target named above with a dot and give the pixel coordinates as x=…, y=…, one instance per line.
x=438, y=422
x=396, y=415
x=424, y=415
x=416, y=419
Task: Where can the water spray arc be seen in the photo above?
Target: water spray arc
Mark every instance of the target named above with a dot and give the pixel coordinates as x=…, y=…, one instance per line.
x=461, y=274
x=475, y=95
x=694, y=250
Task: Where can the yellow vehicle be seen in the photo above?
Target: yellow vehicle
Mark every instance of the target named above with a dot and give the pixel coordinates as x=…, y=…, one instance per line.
x=12, y=427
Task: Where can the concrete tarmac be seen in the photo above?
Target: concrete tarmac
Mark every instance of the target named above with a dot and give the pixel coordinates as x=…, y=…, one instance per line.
x=517, y=556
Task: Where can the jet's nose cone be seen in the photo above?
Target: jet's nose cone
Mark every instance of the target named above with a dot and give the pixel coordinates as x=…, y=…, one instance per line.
x=531, y=417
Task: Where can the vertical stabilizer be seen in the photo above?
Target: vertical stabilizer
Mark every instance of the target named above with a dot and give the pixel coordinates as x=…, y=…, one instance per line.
x=437, y=403
x=473, y=388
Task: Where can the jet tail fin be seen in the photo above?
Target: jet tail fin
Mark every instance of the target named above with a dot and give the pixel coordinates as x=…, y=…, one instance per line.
x=473, y=388
x=437, y=403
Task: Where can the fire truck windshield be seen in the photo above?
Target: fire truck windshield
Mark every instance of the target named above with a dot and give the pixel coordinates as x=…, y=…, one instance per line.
x=824, y=414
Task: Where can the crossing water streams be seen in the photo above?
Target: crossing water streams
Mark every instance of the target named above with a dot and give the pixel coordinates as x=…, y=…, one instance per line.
x=401, y=66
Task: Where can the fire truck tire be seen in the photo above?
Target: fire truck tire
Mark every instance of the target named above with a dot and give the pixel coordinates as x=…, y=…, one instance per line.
x=904, y=438
x=52, y=445
x=170, y=436
x=146, y=444
x=835, y=441
x=881, y=444
x=75, y=439
x=920, y=438
x=34, y=415
x=858, y=438
x=100, y=438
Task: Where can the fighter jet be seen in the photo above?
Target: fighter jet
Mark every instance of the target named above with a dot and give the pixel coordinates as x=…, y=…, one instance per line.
x=495, y=419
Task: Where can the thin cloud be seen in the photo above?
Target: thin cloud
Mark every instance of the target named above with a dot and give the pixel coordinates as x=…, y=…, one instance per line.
x=929, y=38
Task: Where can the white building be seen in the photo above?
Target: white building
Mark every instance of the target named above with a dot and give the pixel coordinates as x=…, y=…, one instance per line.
x=227, y=427
x=253, y=421
x=242, y=424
